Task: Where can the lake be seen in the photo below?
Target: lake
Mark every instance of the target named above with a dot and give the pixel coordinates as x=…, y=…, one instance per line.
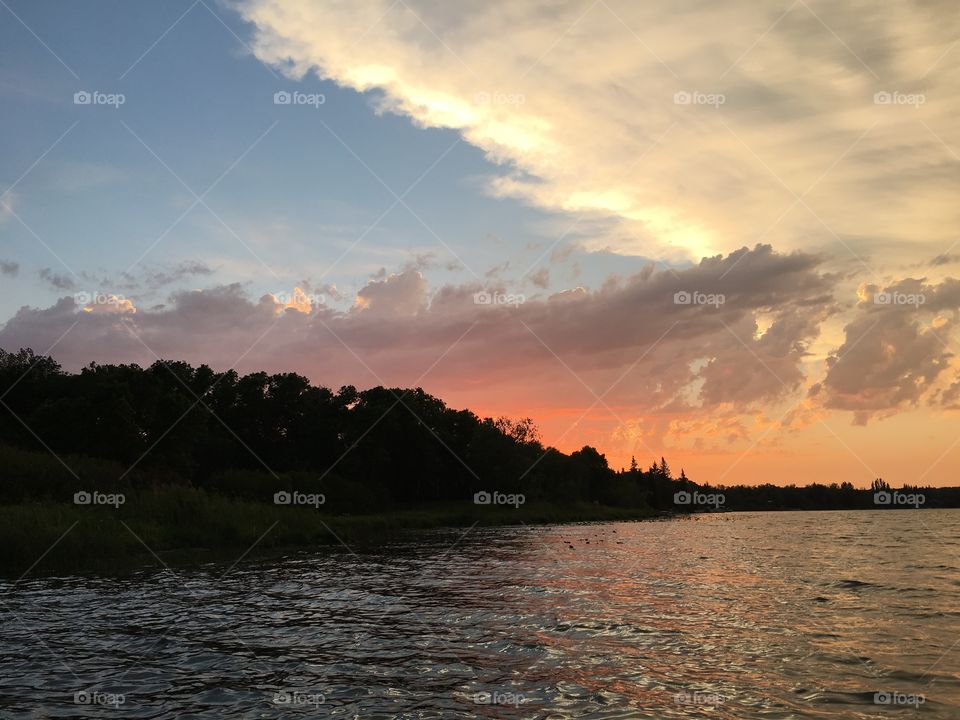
x=736, y=615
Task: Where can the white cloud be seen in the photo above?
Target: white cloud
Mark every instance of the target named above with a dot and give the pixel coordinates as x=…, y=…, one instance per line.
x=578, y=102
x=395, y=296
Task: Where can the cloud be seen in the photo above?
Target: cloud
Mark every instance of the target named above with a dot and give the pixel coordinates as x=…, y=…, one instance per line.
x=895, y=349
x=101, y=304
x=150, y=279
x=677, y=129
x=944, y=259
x=8, y=267
x=421, y=262
x=55, y=280
x=662, y=355
x=540, y=278
x=396, y=295
x=156, y=278
x=298, y=300
x=497, y=270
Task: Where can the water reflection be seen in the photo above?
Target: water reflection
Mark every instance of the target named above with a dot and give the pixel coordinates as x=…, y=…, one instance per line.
x=788, y=615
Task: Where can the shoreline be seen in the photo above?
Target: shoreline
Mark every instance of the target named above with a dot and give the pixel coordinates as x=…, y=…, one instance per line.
x=185, y=527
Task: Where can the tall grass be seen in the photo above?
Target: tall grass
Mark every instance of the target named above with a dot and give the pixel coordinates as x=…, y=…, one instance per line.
x=174, y=523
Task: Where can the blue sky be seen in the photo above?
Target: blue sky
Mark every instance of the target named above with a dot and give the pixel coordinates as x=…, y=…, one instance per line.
x=195, y=96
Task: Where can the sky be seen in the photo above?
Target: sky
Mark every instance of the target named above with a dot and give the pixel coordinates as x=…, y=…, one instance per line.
x=722, y=233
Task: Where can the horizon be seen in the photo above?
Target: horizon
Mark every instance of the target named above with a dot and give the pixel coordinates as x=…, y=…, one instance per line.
x=727, y=237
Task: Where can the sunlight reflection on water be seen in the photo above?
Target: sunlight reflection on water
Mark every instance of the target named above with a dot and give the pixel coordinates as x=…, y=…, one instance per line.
x=739, y=615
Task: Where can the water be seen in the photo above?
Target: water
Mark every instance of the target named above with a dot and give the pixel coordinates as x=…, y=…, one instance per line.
x=741, y=615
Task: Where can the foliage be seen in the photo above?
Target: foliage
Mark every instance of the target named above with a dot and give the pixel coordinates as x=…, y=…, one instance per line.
x=123, y=426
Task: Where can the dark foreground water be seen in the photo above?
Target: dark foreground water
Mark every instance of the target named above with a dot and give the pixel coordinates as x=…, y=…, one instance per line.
x=780, y=615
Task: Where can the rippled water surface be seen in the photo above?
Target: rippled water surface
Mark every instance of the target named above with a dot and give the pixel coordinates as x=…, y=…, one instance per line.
x=740, y=615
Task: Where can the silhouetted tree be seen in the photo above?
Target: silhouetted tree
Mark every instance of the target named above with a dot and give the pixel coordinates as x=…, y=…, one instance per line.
x=251, y=435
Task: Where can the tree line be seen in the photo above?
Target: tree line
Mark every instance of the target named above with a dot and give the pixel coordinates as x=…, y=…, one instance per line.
x=253, y=434
x=125, y=426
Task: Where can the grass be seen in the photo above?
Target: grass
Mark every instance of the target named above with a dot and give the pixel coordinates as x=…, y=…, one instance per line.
x=178, y=525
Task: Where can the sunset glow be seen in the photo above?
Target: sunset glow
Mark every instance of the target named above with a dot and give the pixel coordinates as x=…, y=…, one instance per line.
x=726, y=235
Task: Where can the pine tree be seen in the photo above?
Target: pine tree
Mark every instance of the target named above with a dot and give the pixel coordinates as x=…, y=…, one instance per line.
x=665, y=469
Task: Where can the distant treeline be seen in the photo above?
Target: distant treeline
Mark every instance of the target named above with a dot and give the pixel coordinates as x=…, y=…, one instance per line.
x=123, y=426
x=117, y=427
